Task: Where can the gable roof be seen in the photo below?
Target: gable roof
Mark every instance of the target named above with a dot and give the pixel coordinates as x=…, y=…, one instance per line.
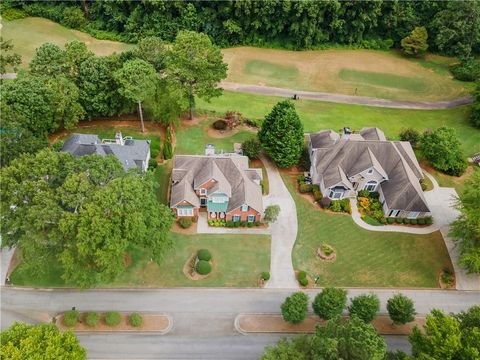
x=133, y=154
x=231, y=174
x=394, y=160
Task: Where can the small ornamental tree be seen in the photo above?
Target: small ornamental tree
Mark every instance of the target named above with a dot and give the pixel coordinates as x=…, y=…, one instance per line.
x=411, y=135
x=251, y=148
x=365, y=307
x=442, y=148
x=401, y=309
x=92, y=318
x=135, y=320
x=330, y=303
x=112, y=318
x=70, y=318
x=281, y=134
x=271, y=213
x=295, y=307
x=415, y=44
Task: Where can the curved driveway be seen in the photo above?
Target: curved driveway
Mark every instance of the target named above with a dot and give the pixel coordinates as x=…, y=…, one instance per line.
x=345, y=99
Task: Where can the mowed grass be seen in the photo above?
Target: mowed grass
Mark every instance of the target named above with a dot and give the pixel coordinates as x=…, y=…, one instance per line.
x=318, y=115
x=161, y=178
x=238, y=261
x=364, y=258
x=29, y=33
x=382, y=74
x=191, y=139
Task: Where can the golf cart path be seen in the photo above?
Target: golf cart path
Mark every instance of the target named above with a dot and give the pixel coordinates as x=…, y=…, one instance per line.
x=345, y=99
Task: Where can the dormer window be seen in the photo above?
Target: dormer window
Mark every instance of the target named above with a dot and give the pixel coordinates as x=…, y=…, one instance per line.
x=244, y=208
x=203, y=191
x=370, y=171
x=371, y=186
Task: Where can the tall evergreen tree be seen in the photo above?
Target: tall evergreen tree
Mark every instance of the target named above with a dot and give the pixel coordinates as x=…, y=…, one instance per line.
x=415, y=44
x=281, y=134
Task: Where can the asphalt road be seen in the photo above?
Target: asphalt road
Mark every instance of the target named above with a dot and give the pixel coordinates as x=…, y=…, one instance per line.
x=203, y=325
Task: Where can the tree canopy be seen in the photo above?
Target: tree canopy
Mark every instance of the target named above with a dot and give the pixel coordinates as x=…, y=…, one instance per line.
x=401, y=309
x=8, y=59
x=295, y=307
x=49, y=60
x=39, y=342
x=281, y=134
x=415, y=44
x=195, y=65
x=84, y=211
x=466, y=229
x=365, y=307
x=475, y=111
x=330, y=303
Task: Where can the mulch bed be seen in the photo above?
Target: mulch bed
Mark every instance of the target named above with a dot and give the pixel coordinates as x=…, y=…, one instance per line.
x=151, y=323
x=189, y=270
x=189, y=231
x=325, y=257
x=267, y=323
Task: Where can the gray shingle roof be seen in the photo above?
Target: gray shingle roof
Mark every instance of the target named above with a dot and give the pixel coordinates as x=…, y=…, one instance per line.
x=396, y=160
x=132, y=154
x=231, y=174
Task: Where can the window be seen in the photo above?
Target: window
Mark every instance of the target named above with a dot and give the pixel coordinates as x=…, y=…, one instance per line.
x=336, y=193
x=244, y=208
x=185, y=212
x=218, y=199
x=371, y=185
x=203, y=201
x=370, y=171
x=236, y=218
x=251, y=218
x=203, y=191
x=413, y=214
x=393, y=213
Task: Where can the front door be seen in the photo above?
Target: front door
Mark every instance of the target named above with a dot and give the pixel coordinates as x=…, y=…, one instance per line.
x=203, y=201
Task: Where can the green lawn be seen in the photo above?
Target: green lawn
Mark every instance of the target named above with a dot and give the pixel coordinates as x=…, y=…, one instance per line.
x=317, y=115
x=237, y=262
x=192, y=139
x=260, y=69
x=29, y=33
x=364, y=258
x=161, y=177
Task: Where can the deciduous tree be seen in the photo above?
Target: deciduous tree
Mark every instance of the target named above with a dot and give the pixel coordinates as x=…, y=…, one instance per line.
x=365, y=307
x=76, y=52
x=49, y=60
x=281, y=134
x=8, y=59
x=401, y=309
x=196, y=65
x=330, y=303
x=295, y=307
x=39, y=342
x=271, y=213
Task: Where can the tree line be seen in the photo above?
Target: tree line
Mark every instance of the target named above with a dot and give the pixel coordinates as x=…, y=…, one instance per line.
x=453, y=26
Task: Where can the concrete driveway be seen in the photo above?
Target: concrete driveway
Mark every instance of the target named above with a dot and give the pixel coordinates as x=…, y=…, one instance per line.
x=441, y=201
x=284, y=231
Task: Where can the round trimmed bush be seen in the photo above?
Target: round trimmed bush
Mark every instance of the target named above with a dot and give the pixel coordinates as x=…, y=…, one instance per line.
x=303, y=281
x=325, y=202
x=421, y=221
x=135, y=320
x=219, y=125
x=390, y=220
x=204, y=254
x=413, y=221
x=113, y=318
x=406, y=221
x=184, y=222
x=203, y=267
x=92, y=318
x=70, y=318
x=302, y=275
x=265, y=275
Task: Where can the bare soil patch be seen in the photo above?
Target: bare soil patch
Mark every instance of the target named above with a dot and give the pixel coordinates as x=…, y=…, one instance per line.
x=188, y=231
x=268, y=323
x=220, y=134
x=151, y=323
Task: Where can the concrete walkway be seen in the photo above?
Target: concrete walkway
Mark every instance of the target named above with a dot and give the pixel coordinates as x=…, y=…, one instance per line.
x=345, y=99
x=203, y=228
x=390, y=228
x=5, y=259
x=441, y=201
x=284, y=231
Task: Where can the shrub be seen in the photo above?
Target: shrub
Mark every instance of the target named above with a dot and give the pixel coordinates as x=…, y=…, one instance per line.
x=257, y=223
x=304, y=160
x=112, y=318
x=243, y=223
x=135, y=319
x=154, y=153
x=152, y=163
x=365, y=307
x=294, y=308
x=58, y=145
x=317, y=195
x=230, y=223
x=220, y=125
x=184, y=222
x=325, y=202
x=73, y=17
x=252, y=122
x=167, y=150
x=300, y=179
x=401, y=309
x=10, y=14
x=305, y=188
x=251, y=148
x=265, y=275
x=326, y=249
x=302, y=275
x=399, y=220
x=203, y=267
x=363, y=193
x=236, y=223
x=194, y=219
x=336, y=206
x=345, y=205
x=70, y=318
x=411, y=135
x=468, y=70
x=428, y=220
x=413, y=221
x=390, y=220
x=204, y=254
x=421, y=221
x=303, y=282
x=271, y=213
x=249, y=224
x=330, y=303
x=406, y=221
x=92, y=318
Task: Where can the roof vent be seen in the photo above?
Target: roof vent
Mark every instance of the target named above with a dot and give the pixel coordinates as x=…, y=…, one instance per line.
x=346, y=133
x=209, y=149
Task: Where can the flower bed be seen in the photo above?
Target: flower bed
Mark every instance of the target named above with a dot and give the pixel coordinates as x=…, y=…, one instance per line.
x=326, y=252
x=369, y=205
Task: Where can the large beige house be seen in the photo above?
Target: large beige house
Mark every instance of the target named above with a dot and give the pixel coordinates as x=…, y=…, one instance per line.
x=343, y=164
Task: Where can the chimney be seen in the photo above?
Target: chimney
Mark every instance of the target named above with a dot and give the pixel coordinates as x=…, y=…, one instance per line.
x=119, y=139
x=346, y=133
x=209, y=149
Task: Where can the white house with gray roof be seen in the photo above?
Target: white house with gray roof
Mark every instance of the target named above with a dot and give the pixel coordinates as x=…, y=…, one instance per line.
x=343, y=164
x=221, y=184
x=132, y=154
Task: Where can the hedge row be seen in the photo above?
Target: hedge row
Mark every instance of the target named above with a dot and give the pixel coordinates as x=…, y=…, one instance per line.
x=420, y=221
x=92, y=318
